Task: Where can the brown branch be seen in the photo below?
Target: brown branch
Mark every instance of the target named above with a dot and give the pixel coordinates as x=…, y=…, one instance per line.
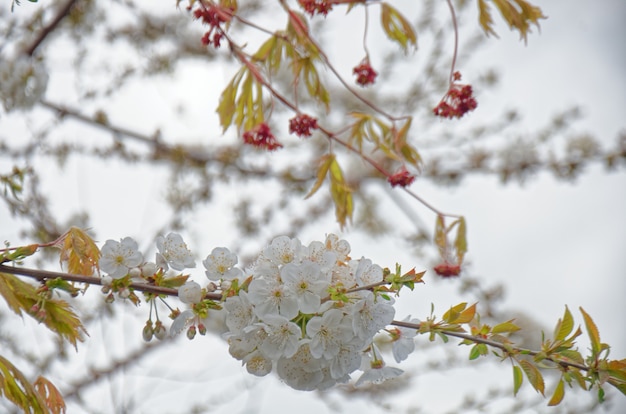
x=43, y=275
x=64, y=11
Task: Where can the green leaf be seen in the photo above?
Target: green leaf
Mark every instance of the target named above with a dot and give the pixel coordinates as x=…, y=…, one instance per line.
x=564, y=326
x=454, y=312
x=571, y=355
x=305, y=68
x=226, y=108
x=16, y=388
x=505, y=327
x=341, y=194
x=397, y=27
x=534, y=376
x=15, y=291
x=484, y=18
x=478, y=350
x=440, y=235
x=322, y=171
x=460, y=243
x=57, y=314
x=519, y=15
x=518, y=379
x=592, y=331
x=53, y=398
x=79, y=252
x=558, y=394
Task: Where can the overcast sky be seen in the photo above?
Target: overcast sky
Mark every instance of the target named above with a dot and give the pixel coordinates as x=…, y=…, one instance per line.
x=551, y=243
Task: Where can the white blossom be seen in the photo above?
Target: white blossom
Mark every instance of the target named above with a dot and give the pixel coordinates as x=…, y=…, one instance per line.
x=283, y=250
x=23, y=81
x=271, y=297
x=117, y=258
x=403, y=340
x=308, y=284
x=240, y=312
x=181, y=322
x=328, y=333
x=370, y=314
x=220, y=265
x=367, y=273
x=174, y=252
x=282, y=338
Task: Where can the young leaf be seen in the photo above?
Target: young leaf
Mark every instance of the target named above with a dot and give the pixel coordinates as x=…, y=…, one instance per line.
x=564, y=326
x=460, y=243
x=505, y=327
x=592, y=331
x=60, y=318
x=15, y=291
x=50, y=393
x=452, y=315
x=341, y=194
x=520, y=15
x=558, y=394
x=467, y=315
x=518, y=379
x=396, y=27
x=534, y=376
x=80, y=252
x=440, y=235
x=322, y=170
x=485, y=19
x=226, y=107
x=16, y=388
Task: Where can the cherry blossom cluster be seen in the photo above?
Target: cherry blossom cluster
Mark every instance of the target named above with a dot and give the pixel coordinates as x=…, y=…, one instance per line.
x=308, y=313
x=458, y=101
x=23, y=81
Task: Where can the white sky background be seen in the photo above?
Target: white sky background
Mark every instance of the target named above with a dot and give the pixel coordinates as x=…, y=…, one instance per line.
x=551, y=243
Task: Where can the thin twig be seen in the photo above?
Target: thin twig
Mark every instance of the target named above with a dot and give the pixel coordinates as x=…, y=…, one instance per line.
x=64, y=11
x=479, y=340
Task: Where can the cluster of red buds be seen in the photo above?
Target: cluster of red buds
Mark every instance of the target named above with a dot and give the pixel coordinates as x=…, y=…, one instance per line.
x=447, y=269
x=261, y=136
x=213, y=16
x=302, y=124
x=316, y=6
x=458, y=101
x=402, y=178
x=365, y=74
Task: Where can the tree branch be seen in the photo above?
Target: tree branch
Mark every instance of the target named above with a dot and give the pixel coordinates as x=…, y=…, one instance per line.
x=64, y=11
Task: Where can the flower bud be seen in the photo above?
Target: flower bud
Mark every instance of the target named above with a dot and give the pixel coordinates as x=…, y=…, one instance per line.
x=202, y=329
x=148, y=269
x=159, y=331
x=110, y=298
x=191, y=332
x=135, y=272
x=147, y=332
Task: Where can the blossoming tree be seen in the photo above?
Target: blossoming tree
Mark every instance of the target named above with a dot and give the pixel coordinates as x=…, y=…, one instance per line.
x=316, y=314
